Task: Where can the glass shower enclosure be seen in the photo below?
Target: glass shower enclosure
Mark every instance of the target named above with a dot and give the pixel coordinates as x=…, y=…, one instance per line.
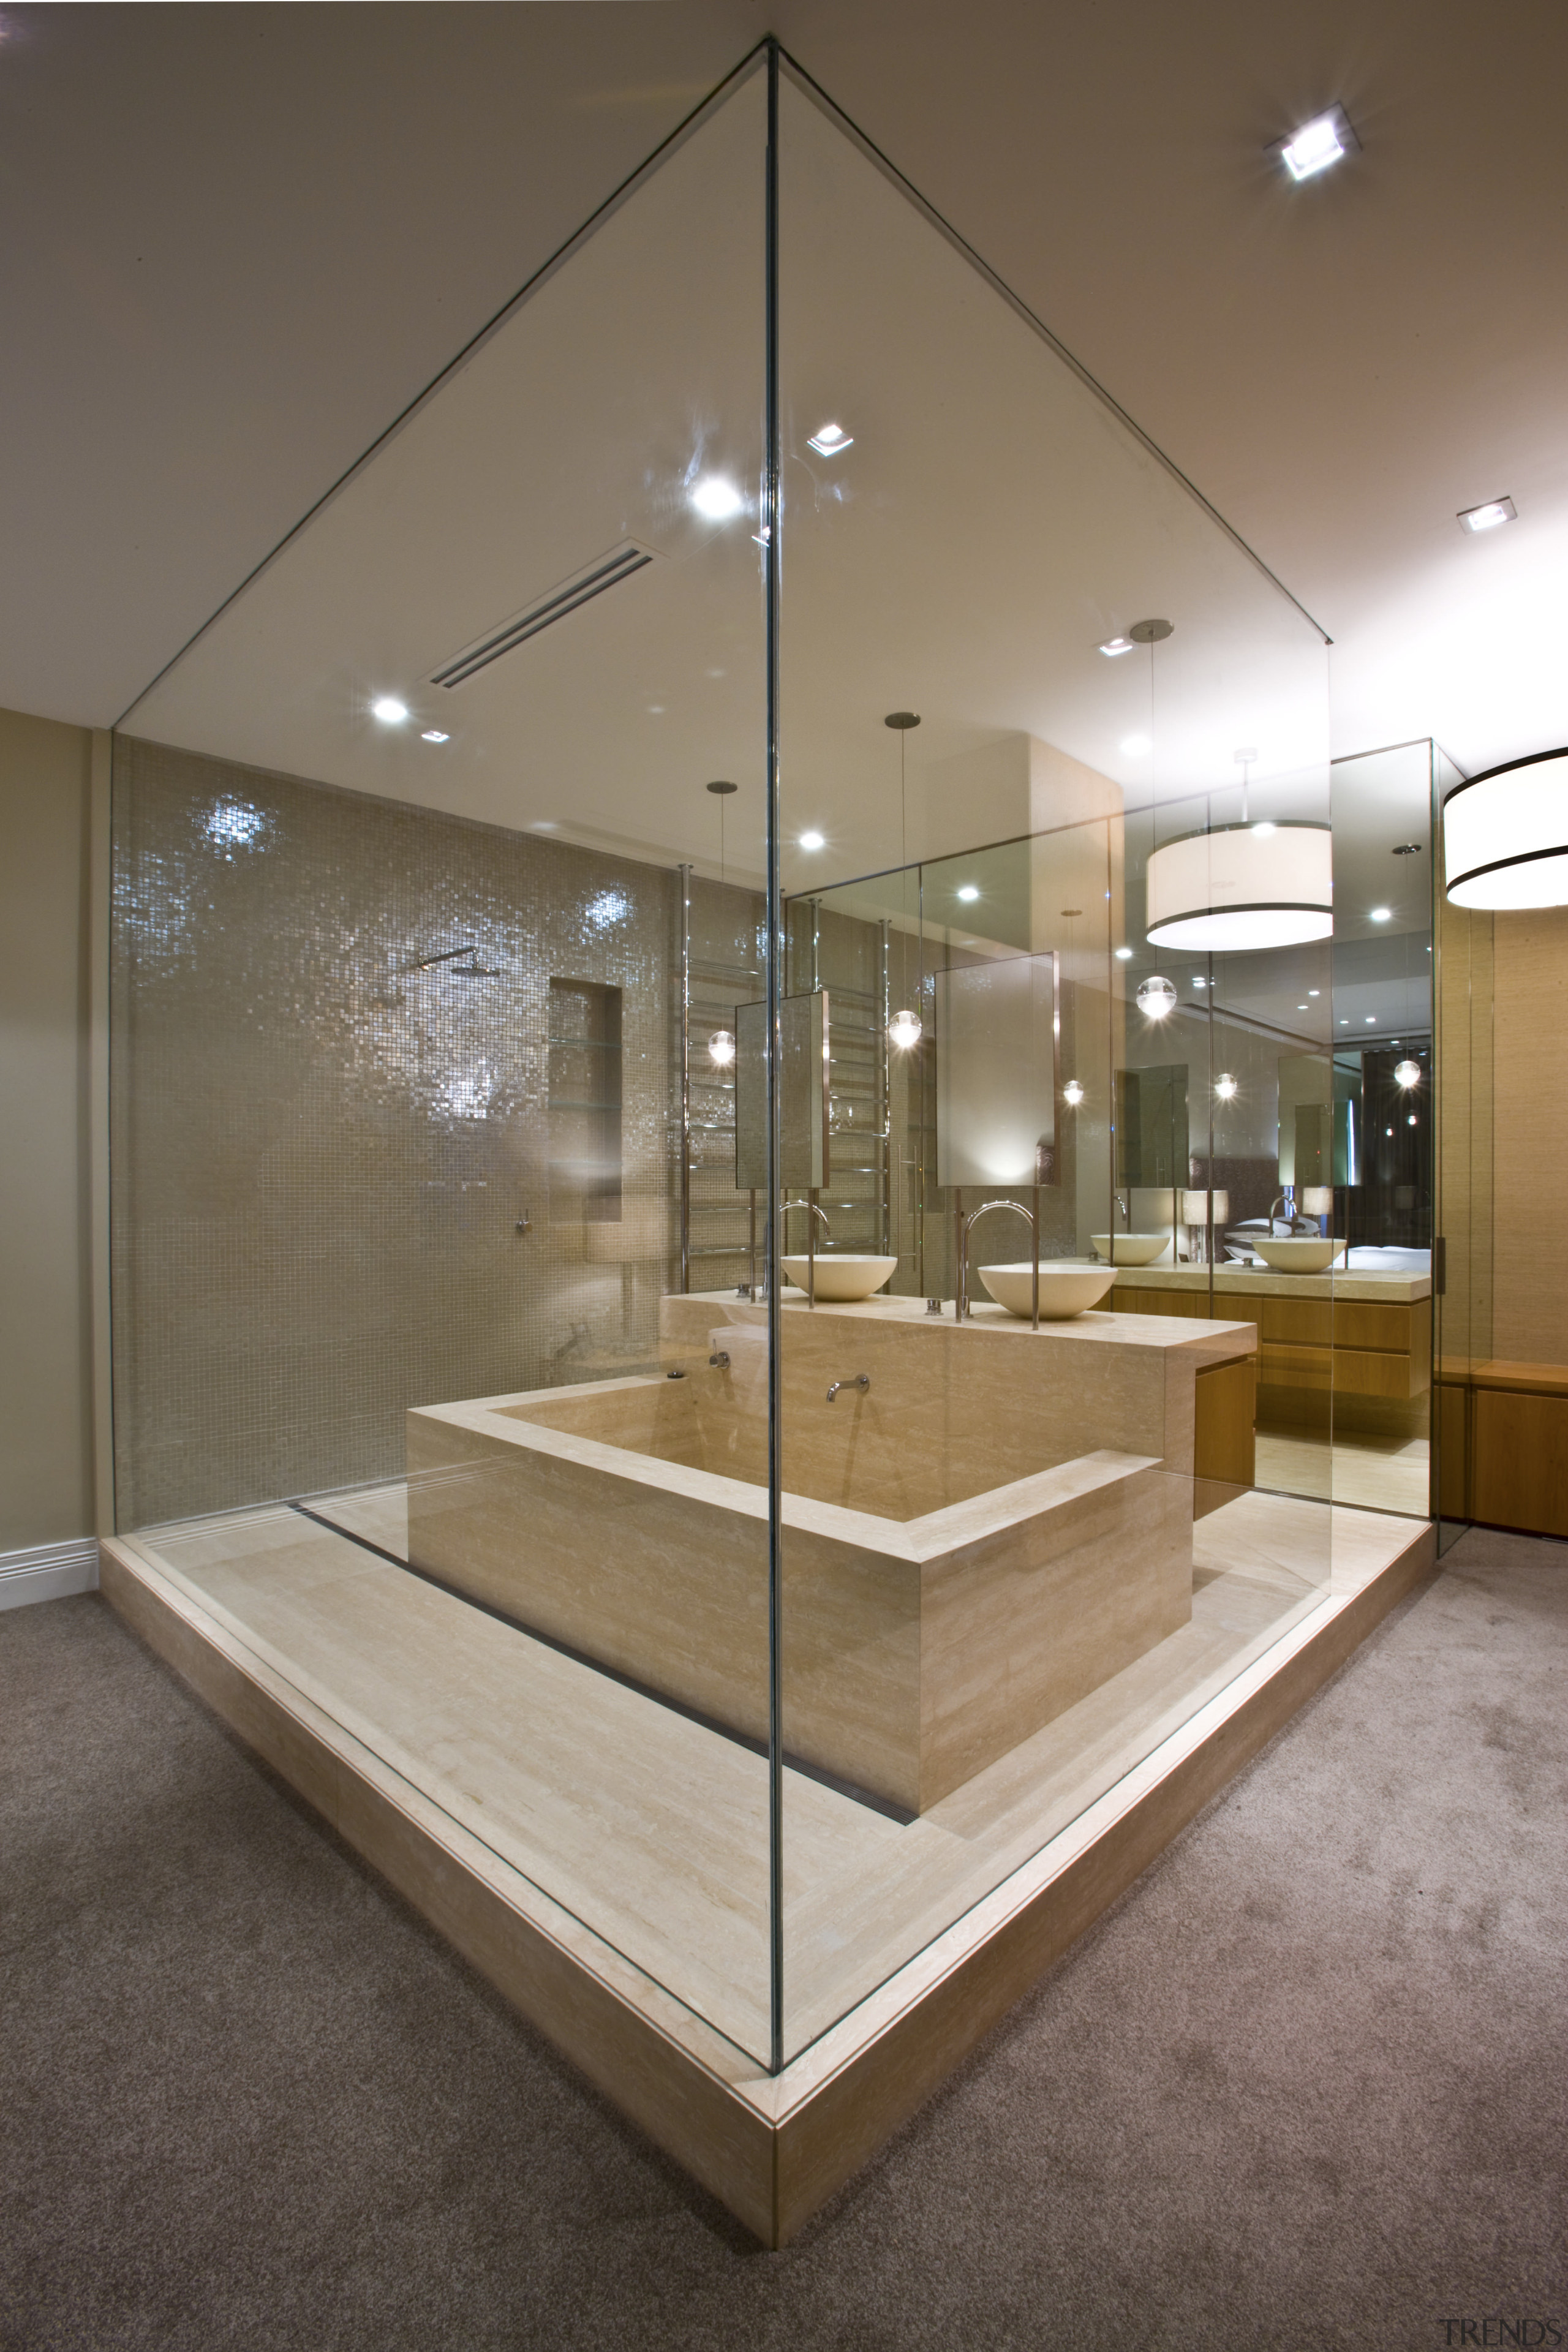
x=684, y=1265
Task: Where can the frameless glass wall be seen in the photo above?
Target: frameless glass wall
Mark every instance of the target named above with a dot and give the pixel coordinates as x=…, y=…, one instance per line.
x=1031, y=1517
x=426, y=917
x=713, y=1249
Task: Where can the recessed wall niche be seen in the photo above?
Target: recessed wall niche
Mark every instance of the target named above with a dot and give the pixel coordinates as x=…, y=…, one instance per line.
x=584, y=1103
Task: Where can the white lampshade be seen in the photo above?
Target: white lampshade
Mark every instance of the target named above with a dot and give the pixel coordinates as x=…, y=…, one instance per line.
x=1505, y=835
x=1261, y=886
x=1317, y=1199
x=1195, y=1207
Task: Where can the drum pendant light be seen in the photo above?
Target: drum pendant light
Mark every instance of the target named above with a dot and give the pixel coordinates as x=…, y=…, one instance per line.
x=1505, y=835
x=1244, y=886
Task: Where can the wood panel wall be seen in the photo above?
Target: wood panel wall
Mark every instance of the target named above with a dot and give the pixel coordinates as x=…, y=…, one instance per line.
x=1529, y=1177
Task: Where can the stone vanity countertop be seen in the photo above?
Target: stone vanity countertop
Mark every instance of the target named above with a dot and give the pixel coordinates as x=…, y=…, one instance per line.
x=1265, y=1281
x=1216, y=1341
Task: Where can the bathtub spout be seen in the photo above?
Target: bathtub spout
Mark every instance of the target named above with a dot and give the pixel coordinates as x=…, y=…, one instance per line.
x=861, y=1380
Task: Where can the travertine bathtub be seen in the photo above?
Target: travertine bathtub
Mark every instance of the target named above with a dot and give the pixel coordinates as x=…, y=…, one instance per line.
x=944, y=1596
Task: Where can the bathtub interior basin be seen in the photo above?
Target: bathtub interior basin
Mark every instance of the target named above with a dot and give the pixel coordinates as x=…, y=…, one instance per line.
x=840, y=1275
x=1068, y=1287
x=1131, y=1249
x=1298, y=1256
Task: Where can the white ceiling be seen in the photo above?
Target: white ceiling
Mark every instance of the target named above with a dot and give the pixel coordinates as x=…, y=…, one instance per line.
x=240, y=239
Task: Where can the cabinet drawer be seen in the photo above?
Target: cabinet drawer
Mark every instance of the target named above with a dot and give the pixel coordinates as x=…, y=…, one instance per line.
x=1367, y=1323
x=1295, y=1367
x=1127, y=1300
x=1363, y=1371
x=1305, y=1321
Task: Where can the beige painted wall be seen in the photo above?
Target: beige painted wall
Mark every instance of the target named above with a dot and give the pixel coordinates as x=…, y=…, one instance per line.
x=1530, y=1261
x=45, y=1353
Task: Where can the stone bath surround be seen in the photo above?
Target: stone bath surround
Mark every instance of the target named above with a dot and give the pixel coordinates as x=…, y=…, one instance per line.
x=999, y=1524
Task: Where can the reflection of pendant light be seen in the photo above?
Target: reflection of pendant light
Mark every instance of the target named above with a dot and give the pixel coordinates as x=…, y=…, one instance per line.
x=721, y=1044
x=1225, y=1086
x=1505, y=834
x=1407, y=1074
x=1072, y=1093
x=1244, y=886
x=1156, y=997
x=904, y=1028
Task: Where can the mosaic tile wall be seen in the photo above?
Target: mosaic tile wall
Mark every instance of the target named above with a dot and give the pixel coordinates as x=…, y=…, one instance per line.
x=321, y=1152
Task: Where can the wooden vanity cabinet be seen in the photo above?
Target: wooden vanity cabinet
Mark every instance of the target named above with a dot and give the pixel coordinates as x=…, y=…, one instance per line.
x=1343, y=1347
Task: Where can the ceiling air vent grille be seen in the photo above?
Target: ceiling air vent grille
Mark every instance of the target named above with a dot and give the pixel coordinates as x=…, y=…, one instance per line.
x=606, y=571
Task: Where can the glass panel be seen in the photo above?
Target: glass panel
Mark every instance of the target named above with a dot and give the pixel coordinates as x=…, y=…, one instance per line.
x=1463, y=1336
x=1017, y=1559
x=1384, y=1118
x=422, y=1120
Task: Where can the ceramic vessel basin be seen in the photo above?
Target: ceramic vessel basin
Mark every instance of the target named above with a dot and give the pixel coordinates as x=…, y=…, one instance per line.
x=1299, y=1255
x=1131, y=1249
x=1067, y=1285
x=841, y=1277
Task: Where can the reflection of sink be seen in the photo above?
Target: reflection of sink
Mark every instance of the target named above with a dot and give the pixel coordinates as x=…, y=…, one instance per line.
x=1067, y=1285
x=1131, y=1249
x=1297, y=1256
x=840, y=1277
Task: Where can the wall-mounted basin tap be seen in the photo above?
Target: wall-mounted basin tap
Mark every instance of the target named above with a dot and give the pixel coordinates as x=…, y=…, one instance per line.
x=961, y=1303
x=821, y=1214
x=861, y=1381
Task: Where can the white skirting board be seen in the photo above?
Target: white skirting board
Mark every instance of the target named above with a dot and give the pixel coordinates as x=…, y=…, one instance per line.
x=48, y=1572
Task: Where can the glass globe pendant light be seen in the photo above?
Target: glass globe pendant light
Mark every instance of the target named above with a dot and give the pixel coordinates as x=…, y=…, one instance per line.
x=1156, y=997
x=721, y=1044
x=905, y=1028
x=1505, y=835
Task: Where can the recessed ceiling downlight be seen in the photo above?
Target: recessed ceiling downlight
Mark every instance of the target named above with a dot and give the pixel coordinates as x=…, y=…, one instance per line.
x=715, y=498
x=1237, y=890
x=1326, y=139
x=1505, y=835
x=389, y=710
x=1488, y=516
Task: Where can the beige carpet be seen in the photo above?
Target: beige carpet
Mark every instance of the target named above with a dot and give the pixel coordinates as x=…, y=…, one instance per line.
x=1303, y=2087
